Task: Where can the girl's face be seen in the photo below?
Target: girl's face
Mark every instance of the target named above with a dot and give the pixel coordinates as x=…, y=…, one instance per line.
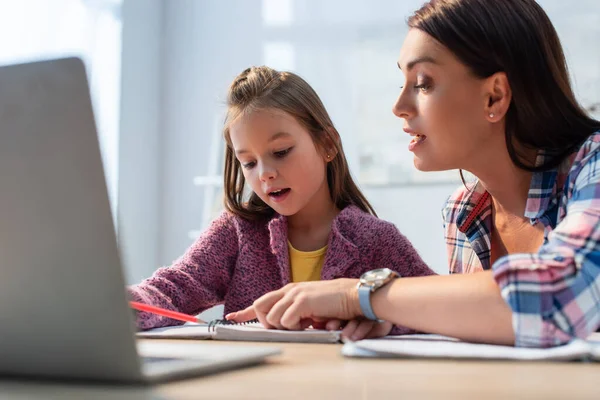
x=279, y=160
x=444, y=107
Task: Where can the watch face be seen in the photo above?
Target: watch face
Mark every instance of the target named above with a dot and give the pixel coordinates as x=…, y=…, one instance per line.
x=376, y=275
x=382, y=273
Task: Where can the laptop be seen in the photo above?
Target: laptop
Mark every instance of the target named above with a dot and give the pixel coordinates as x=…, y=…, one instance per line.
x=63, y=308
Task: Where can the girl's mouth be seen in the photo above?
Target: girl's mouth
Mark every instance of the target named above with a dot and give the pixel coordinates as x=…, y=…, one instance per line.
x=279, y=195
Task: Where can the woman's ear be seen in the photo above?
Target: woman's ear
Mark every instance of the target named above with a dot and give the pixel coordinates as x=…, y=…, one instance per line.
x=498, y=95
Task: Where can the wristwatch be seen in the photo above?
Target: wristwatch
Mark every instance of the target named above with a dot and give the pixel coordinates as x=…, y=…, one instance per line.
x=369, y=282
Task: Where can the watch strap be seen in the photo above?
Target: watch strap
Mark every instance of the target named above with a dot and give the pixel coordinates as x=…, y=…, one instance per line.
x=364, y=298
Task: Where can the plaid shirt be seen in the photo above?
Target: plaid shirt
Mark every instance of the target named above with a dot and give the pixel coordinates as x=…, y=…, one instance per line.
x=555, y=293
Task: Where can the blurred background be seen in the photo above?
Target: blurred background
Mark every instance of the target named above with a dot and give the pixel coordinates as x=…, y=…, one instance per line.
x=159, y=71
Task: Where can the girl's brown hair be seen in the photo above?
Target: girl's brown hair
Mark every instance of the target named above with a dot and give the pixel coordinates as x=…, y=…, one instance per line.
x=259, y=88
x=515, y=37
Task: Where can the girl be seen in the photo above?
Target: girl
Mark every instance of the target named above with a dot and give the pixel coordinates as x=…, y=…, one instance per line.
x=305, y=218
x=487, y=90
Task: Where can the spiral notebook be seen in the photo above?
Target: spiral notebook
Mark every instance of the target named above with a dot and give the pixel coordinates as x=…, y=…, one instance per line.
x=251, y=332
x=442, y=347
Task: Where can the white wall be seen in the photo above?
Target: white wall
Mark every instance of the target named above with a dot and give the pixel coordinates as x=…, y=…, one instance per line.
x=140, y=157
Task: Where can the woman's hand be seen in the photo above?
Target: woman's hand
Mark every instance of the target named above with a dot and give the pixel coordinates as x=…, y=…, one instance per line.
x=298, y=305
x=358, y=329
x=469, y=307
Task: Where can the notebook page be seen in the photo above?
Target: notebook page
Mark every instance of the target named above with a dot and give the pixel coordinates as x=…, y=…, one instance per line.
x=247, y=332
x=434, y=346
x=255, y=332
x=595, y=352
x=191, y=331
x=594, y=341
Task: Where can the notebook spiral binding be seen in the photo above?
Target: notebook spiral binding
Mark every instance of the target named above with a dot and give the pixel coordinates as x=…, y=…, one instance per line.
x=215, y=322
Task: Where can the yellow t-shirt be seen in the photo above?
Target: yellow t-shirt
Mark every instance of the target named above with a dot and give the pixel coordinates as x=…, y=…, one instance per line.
x=306, y=265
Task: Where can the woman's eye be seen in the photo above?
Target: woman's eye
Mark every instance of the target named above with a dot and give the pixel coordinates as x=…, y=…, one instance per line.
x=424, y=86
x=249, y=165
x=282, y=153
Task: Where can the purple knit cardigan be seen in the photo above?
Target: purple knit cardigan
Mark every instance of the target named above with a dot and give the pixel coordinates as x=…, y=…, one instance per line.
x=236, y=261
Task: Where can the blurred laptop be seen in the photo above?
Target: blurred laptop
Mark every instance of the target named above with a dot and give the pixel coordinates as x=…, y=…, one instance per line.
x=63, y=307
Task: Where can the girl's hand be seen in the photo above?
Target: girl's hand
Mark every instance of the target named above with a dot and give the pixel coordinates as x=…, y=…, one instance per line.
x=358, y=329
x=297, y=305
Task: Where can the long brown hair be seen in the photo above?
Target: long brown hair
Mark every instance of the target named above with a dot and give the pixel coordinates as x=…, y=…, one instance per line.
x=515, y=37
x=259, y=88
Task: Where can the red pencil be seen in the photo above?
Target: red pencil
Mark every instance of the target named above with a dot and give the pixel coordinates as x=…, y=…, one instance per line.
x=165, y=313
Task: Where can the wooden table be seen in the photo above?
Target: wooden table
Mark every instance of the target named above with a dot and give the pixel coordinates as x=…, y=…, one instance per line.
x=318, y=371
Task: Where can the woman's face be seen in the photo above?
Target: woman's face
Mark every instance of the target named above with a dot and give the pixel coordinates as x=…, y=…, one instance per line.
x=444, y=106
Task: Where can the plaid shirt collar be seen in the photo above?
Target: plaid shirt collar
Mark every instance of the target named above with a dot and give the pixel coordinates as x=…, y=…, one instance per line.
x=474, y=216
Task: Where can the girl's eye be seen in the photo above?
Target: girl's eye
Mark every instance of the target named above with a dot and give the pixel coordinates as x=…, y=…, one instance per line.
x=282, y=153
x=249, y=165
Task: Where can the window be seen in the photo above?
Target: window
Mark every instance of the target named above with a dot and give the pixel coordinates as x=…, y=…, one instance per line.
x=90, y=29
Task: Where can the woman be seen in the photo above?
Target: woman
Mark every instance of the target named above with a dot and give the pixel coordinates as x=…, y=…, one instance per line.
x=487, y=91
